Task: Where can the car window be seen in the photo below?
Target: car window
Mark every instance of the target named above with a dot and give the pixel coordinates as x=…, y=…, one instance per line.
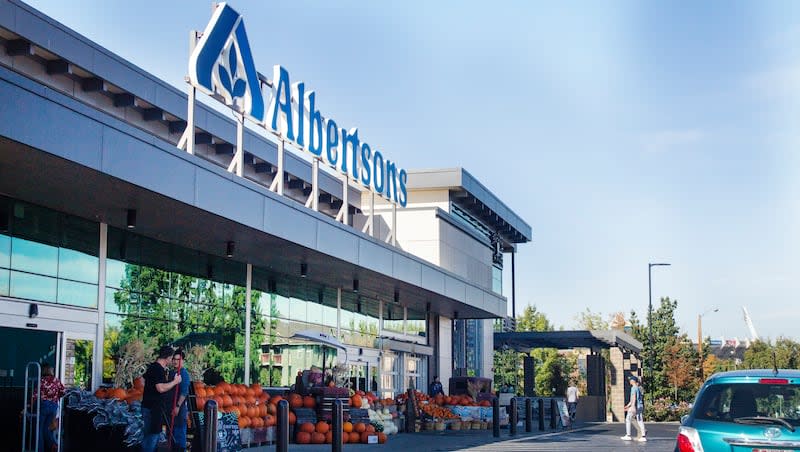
x=726, y=402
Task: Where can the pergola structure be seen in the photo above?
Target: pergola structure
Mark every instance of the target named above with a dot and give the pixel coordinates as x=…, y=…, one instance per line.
x=624, y=357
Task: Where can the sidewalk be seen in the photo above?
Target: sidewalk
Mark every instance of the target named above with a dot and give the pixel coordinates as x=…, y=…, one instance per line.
x=427, y=441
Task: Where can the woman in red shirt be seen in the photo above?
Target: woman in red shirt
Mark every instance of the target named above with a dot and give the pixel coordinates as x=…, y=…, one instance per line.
x=51, y=393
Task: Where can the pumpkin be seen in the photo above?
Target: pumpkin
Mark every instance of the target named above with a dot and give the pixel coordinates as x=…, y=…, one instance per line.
x=307, y=427
x=317, y=438
x=117, y=393
x=303, y=438
x=355, y=401
x=296, y=401
x=382, y=438
x=271, y=409
x=292, y=418
x=256, y=388
x=309, y=402
x=322, y=427
x=370, y=428
x=347, y=427
x=365, y=437
x=355, y=438
x=244, y=422
x=138, y=383
x=329, y=437
x=101, y=393
x=275, y=399
x=269, y=420
x=359, y=427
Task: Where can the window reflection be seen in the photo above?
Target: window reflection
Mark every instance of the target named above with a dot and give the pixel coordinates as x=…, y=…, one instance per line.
x=77, y=266
x=34, y=257
x=4, y=275
x=77, y=294
x=33, y=287
x=5, y=251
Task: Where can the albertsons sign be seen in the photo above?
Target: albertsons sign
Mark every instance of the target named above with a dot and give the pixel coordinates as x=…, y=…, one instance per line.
x=222, y=64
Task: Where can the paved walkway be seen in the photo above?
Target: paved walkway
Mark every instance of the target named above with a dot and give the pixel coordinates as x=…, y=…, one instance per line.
x=598, y=437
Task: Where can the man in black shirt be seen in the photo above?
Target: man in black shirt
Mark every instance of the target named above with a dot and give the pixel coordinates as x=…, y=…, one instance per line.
x=155, y=403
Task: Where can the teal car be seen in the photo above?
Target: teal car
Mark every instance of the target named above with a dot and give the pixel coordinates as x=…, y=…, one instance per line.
x=744, y=411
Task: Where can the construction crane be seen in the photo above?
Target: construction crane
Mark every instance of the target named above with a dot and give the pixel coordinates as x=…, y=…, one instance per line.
x=749, y=322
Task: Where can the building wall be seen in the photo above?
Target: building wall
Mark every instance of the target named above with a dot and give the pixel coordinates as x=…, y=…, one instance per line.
x=465, y=256
x=445, y=357
x=488, y=349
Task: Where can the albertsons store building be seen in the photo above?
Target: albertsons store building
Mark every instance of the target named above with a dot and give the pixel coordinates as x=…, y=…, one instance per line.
x=133, y=210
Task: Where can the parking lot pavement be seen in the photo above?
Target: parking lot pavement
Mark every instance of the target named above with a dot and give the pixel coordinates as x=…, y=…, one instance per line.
x=593, y=438
x=599, y=437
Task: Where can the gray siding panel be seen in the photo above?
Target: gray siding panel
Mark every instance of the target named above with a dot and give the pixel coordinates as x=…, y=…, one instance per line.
x=432, y=279
x=142, y=164
x=286, y=222
x=216, y=193
x=455, y=288
x=119, y=74
x=8, y=14
x=336, y=242
x=407, y=269
x=374, y=257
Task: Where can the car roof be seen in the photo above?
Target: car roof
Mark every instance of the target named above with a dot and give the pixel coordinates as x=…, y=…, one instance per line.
x=745, y=375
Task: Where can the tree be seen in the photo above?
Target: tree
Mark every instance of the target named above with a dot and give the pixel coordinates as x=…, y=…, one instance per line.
x=760, y=354
x=588, y=320
x=681, y=366
x=533, y=320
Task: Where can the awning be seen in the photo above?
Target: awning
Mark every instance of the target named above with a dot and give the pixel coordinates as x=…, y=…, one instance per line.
x=317, y=336
x=406, y=346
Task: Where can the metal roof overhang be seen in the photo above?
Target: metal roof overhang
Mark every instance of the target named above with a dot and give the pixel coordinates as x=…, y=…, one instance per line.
x=525, y=341
x=469, y=194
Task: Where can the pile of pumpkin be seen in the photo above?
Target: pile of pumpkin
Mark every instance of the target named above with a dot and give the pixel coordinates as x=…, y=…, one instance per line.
x=253, y=407
x=462, y=400
x=131, y=395
x=320, y=433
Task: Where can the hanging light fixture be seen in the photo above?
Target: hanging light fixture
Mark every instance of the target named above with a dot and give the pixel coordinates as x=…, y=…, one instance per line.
x=131, y=221
x=303, y=269
x=230, y=248
x=355, y=285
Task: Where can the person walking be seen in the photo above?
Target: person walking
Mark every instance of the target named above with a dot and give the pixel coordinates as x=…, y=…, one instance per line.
x=572, y=400
x=155, y=398
x=435, y=387
x=181, y=410
x=635, y=408
x=51, y=392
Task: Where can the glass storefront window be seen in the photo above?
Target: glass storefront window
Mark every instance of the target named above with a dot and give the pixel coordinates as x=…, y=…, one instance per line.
x=4, y=276
x=77, y=294
x=33, y=257
x=416, y=325
x=393, y=318
x=33, y=287
x=5, y=251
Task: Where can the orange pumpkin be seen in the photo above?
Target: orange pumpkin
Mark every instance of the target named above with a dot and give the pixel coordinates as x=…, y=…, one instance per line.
x=307, y=427
x=317, y=438
x=101, y=393
x=269, y=421
x=355, y=437
x=365, y=437
x=370, y=428
x=296, y=401
x=139, y=383
x=292, y=418
x=256, y=388
x=275, y=399
x=329, y=437
x=309, y=402
x=359, y=427
x=355, y=401
x=244, y=422
x=347, y=427
x=382, y=438
x=271, y=409
x=303, y=438
x=117, y=393
x=322, y=427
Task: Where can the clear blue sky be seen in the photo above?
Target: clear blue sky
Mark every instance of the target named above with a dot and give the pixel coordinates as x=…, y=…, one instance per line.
x=622, y=132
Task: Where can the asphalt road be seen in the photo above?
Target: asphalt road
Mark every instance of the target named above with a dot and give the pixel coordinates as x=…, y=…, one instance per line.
x=594, y=438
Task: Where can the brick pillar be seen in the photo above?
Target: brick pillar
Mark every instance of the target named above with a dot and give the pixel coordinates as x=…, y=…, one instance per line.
x=617, y=383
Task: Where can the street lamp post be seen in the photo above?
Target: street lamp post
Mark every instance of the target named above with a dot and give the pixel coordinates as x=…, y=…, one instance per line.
x=700, y=338
x=650, y=323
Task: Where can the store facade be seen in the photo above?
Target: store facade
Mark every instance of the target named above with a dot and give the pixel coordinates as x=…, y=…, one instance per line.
x=111, y=232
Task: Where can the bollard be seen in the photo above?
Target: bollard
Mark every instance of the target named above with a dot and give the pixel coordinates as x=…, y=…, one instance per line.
x=553, y=413
x=496, y=417
x=528, y=415
x=512, y=419
x=540, y=406
x=411, y=415
x=282, y=430
x=210, y=437
x=336, y=443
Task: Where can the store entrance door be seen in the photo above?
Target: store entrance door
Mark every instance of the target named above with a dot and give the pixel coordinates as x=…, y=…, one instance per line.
x=22, y=347
x=76, y=359
x=358, y=376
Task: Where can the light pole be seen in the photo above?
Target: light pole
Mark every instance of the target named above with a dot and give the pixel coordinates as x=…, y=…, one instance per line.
x=700, y=339
x=650, y=323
